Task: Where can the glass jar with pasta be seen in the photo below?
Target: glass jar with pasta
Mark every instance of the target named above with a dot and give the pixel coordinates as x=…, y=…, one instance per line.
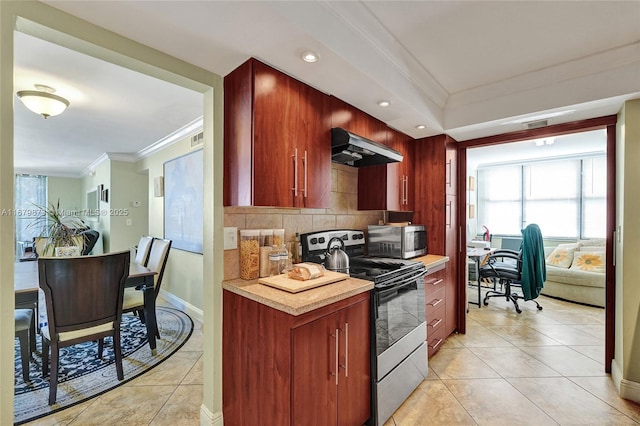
x=249, y=254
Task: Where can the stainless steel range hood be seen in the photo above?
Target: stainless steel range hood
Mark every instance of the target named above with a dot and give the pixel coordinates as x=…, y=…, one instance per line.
x=353, y=150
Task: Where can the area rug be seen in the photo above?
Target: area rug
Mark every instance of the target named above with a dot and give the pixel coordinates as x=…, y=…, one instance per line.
x=84, y=376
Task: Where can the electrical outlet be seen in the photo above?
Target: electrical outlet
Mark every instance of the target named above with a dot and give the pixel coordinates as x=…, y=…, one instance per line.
x=230, y=238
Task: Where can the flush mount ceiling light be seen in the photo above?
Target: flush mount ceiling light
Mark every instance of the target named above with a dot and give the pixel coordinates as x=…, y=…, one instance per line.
x=43, y=101
x=309, y=56
x=384, y=103
x=421, y=126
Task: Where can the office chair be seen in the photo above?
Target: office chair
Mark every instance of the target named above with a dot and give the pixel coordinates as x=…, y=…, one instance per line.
x=525, y=269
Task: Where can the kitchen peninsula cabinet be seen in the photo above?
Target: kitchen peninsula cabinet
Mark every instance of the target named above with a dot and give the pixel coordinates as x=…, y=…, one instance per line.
x=282, y=369
x=436, y=207
x=277, y=139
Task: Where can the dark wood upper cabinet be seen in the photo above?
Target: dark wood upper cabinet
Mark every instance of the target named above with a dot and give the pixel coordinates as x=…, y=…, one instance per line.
x=277, y=140
x=389, y=186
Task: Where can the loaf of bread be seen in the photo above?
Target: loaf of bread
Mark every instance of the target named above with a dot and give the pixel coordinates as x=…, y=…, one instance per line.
x=306, y=271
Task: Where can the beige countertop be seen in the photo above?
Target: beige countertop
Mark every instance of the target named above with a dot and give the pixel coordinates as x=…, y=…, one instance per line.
x=297, y=303
x=432, y=260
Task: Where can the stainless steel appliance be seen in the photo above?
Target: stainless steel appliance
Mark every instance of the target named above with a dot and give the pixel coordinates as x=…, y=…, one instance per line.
x=353, y=150
x=398, y=322
x=402, y=242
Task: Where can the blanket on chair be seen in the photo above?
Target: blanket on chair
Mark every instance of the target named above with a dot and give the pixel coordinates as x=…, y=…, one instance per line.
x=534, y=268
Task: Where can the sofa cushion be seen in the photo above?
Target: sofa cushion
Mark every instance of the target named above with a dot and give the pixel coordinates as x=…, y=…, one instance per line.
x=592, y=261
x=562, y=256
x=575, y=277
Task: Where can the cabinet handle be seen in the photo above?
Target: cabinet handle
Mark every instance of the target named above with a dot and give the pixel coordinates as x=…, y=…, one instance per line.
x=336, y=336
x=295, y=173
x=448, y=165
x=435, y=323
x=448, y=221
x=405, y=190
x=437, y=344
x=436, y=282
x=435, y=302
x=346, y=350
x=304, y=163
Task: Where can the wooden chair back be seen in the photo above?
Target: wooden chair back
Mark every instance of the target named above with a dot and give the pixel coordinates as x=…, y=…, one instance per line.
x=82, y=292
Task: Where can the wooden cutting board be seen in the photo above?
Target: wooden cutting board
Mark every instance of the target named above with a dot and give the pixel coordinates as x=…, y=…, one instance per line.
x=283, y=282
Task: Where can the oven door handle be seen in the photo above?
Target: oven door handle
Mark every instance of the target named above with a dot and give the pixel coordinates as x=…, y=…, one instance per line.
x=404, y=281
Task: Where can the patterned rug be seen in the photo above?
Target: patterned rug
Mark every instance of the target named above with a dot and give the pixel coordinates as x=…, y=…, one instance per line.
x=84, y=376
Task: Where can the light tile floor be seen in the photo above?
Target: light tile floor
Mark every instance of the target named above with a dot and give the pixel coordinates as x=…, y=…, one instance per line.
x=535, y=368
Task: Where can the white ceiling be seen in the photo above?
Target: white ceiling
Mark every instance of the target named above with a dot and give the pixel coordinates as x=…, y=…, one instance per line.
x=469, y=69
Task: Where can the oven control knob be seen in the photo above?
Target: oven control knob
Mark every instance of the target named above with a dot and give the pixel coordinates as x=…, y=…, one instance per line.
x=314, y=241
x=321, y=240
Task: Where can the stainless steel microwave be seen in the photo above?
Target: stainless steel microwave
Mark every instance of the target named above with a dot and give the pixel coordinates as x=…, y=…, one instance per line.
x=402, y=242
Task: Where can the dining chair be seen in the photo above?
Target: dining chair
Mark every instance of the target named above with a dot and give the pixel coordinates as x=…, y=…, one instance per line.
x=26, y=334
x=157, y=261
x=142, y=249
x=83, y=297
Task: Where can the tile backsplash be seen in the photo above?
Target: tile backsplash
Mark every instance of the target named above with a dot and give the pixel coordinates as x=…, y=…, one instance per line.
x=343, y=213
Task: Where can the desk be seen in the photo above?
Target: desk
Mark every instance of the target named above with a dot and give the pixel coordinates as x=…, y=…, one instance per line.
x=477, y=254
x=26, y=286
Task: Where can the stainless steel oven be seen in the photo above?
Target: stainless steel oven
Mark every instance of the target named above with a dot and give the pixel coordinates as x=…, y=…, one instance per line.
x=398, y=323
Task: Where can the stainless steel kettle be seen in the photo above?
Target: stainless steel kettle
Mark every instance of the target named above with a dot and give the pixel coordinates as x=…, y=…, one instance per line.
x=336, y=258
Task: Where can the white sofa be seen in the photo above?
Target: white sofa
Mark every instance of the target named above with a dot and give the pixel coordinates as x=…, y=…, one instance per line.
x=576, y=272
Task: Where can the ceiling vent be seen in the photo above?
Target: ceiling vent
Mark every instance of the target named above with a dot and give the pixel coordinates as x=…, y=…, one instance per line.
x=197, y=140
x=535, y=124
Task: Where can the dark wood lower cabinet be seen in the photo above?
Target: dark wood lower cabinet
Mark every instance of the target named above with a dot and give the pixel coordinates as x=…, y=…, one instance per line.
x=280, y=369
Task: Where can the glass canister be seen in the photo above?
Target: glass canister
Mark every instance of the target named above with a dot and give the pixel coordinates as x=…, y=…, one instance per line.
x=278, y=237
x=249, y=254
x=266, y=238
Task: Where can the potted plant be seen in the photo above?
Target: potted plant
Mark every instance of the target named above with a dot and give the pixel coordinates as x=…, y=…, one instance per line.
x=59, y=229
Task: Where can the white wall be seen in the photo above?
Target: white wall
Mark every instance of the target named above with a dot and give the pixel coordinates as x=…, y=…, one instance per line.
x=626, y=363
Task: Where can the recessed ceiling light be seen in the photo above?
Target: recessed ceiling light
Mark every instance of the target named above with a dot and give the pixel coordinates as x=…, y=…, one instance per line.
x=309, y=56
x=421, y=126
x=384, y=103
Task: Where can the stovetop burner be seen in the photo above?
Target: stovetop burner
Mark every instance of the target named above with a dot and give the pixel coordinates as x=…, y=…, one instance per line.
x=383, y=271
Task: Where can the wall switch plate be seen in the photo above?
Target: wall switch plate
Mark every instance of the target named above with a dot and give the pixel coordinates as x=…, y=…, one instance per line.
x=230, y=238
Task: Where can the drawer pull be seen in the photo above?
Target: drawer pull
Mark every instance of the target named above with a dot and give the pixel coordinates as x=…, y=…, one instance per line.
x=435, y=302
x=436, y=282
x=435, y=323
x=436, y=344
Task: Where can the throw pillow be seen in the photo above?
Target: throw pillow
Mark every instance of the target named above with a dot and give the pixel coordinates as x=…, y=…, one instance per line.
x=562, y=256
x=595, y=242
x=589, y=261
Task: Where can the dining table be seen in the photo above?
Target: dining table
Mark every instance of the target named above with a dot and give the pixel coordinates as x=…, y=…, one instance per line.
x=27, y=292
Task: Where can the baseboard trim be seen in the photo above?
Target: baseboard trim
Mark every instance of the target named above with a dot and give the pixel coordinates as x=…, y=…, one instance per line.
x=207, y=418
x=627, y=389
x=175, y=301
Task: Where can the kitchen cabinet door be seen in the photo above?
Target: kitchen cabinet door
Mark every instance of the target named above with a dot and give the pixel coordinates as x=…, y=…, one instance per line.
x=277, y=140
x=275, y=127
x=389, y=186
x=313, y=149
x=354, y=384
x=315, y=372
x=331, y=377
